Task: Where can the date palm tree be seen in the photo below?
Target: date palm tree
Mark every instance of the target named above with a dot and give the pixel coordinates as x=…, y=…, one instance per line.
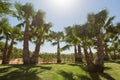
x=25, y=13
x=100, y=21
x=39, y=32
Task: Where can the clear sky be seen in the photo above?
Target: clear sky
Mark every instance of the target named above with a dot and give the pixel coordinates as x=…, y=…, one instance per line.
x=63, y=13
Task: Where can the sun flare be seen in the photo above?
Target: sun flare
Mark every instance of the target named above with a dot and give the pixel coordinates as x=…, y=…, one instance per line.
x=62, y=4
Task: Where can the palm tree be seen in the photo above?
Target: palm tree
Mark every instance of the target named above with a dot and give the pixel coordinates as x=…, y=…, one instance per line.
x=90, y=44
x=76, y=33
x=101, y=22
x=72, y=39
x=5, y=29
x=83, y=31
x=39, y=31
x=25, y=13
x=15, y=35
x=57, y=38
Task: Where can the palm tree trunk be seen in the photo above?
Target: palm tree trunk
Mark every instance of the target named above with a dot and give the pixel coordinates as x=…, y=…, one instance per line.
x=9, y=51
x=91, y=54
x=5, y=52
x=100, y=54
x=75, y=51
x=79, y=54
x=106, y=53
x=114, y=54
x=90, y=65
x=26, y=57
x=34, y=58
x=58, y=53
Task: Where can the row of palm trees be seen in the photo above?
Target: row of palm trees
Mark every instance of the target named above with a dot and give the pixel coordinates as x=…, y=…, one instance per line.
x=98, y=33
x=35, y=30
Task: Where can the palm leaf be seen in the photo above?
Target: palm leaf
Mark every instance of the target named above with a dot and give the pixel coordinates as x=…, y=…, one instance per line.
x=65, y=47
x=109, y=21
x=54, y=43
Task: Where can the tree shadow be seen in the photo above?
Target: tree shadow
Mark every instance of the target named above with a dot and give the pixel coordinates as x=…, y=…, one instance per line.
x=67, y=76
x=83, y=77
x=114, y=61
x=82, y=66
x=107, y=76
x=22, y=72
x=117, y=62
x=107, y=68
x=95, y=76
x=71, y=76
x=5, y=69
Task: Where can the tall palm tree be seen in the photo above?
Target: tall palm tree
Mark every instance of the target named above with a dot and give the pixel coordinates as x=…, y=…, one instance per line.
x=39, y=32
x=25, y=13
x=5, y=29
x=57, y=38
x=101, y=21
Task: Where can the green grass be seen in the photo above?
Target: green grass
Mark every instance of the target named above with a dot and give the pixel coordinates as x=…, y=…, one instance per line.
x=57, y=72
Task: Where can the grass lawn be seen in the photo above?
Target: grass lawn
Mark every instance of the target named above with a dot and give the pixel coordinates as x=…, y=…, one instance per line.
x=58, y=72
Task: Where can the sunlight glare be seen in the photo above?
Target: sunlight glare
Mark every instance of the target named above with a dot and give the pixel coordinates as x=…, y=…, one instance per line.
x=62, y=4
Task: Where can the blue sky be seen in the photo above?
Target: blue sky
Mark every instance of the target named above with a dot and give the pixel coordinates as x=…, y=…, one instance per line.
x=61, y=17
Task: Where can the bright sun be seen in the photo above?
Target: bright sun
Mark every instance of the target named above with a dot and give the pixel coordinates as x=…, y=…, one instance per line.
x=62, y=4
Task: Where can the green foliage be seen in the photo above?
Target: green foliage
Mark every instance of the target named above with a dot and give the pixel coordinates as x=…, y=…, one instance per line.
x=51, y=58
x=48, y=57
x=16, y=53
x=4, y=7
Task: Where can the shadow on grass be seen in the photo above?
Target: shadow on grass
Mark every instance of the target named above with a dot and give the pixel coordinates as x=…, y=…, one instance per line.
x=22, y=72
x=107, y=68
x=71, y=76
x=117, y=62
x=4, y=69
x=114, y=61
x=107, y=76
x=94, y=76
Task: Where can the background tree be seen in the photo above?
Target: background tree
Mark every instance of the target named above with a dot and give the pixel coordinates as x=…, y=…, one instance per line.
x=72, y=40
x=57, y=37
